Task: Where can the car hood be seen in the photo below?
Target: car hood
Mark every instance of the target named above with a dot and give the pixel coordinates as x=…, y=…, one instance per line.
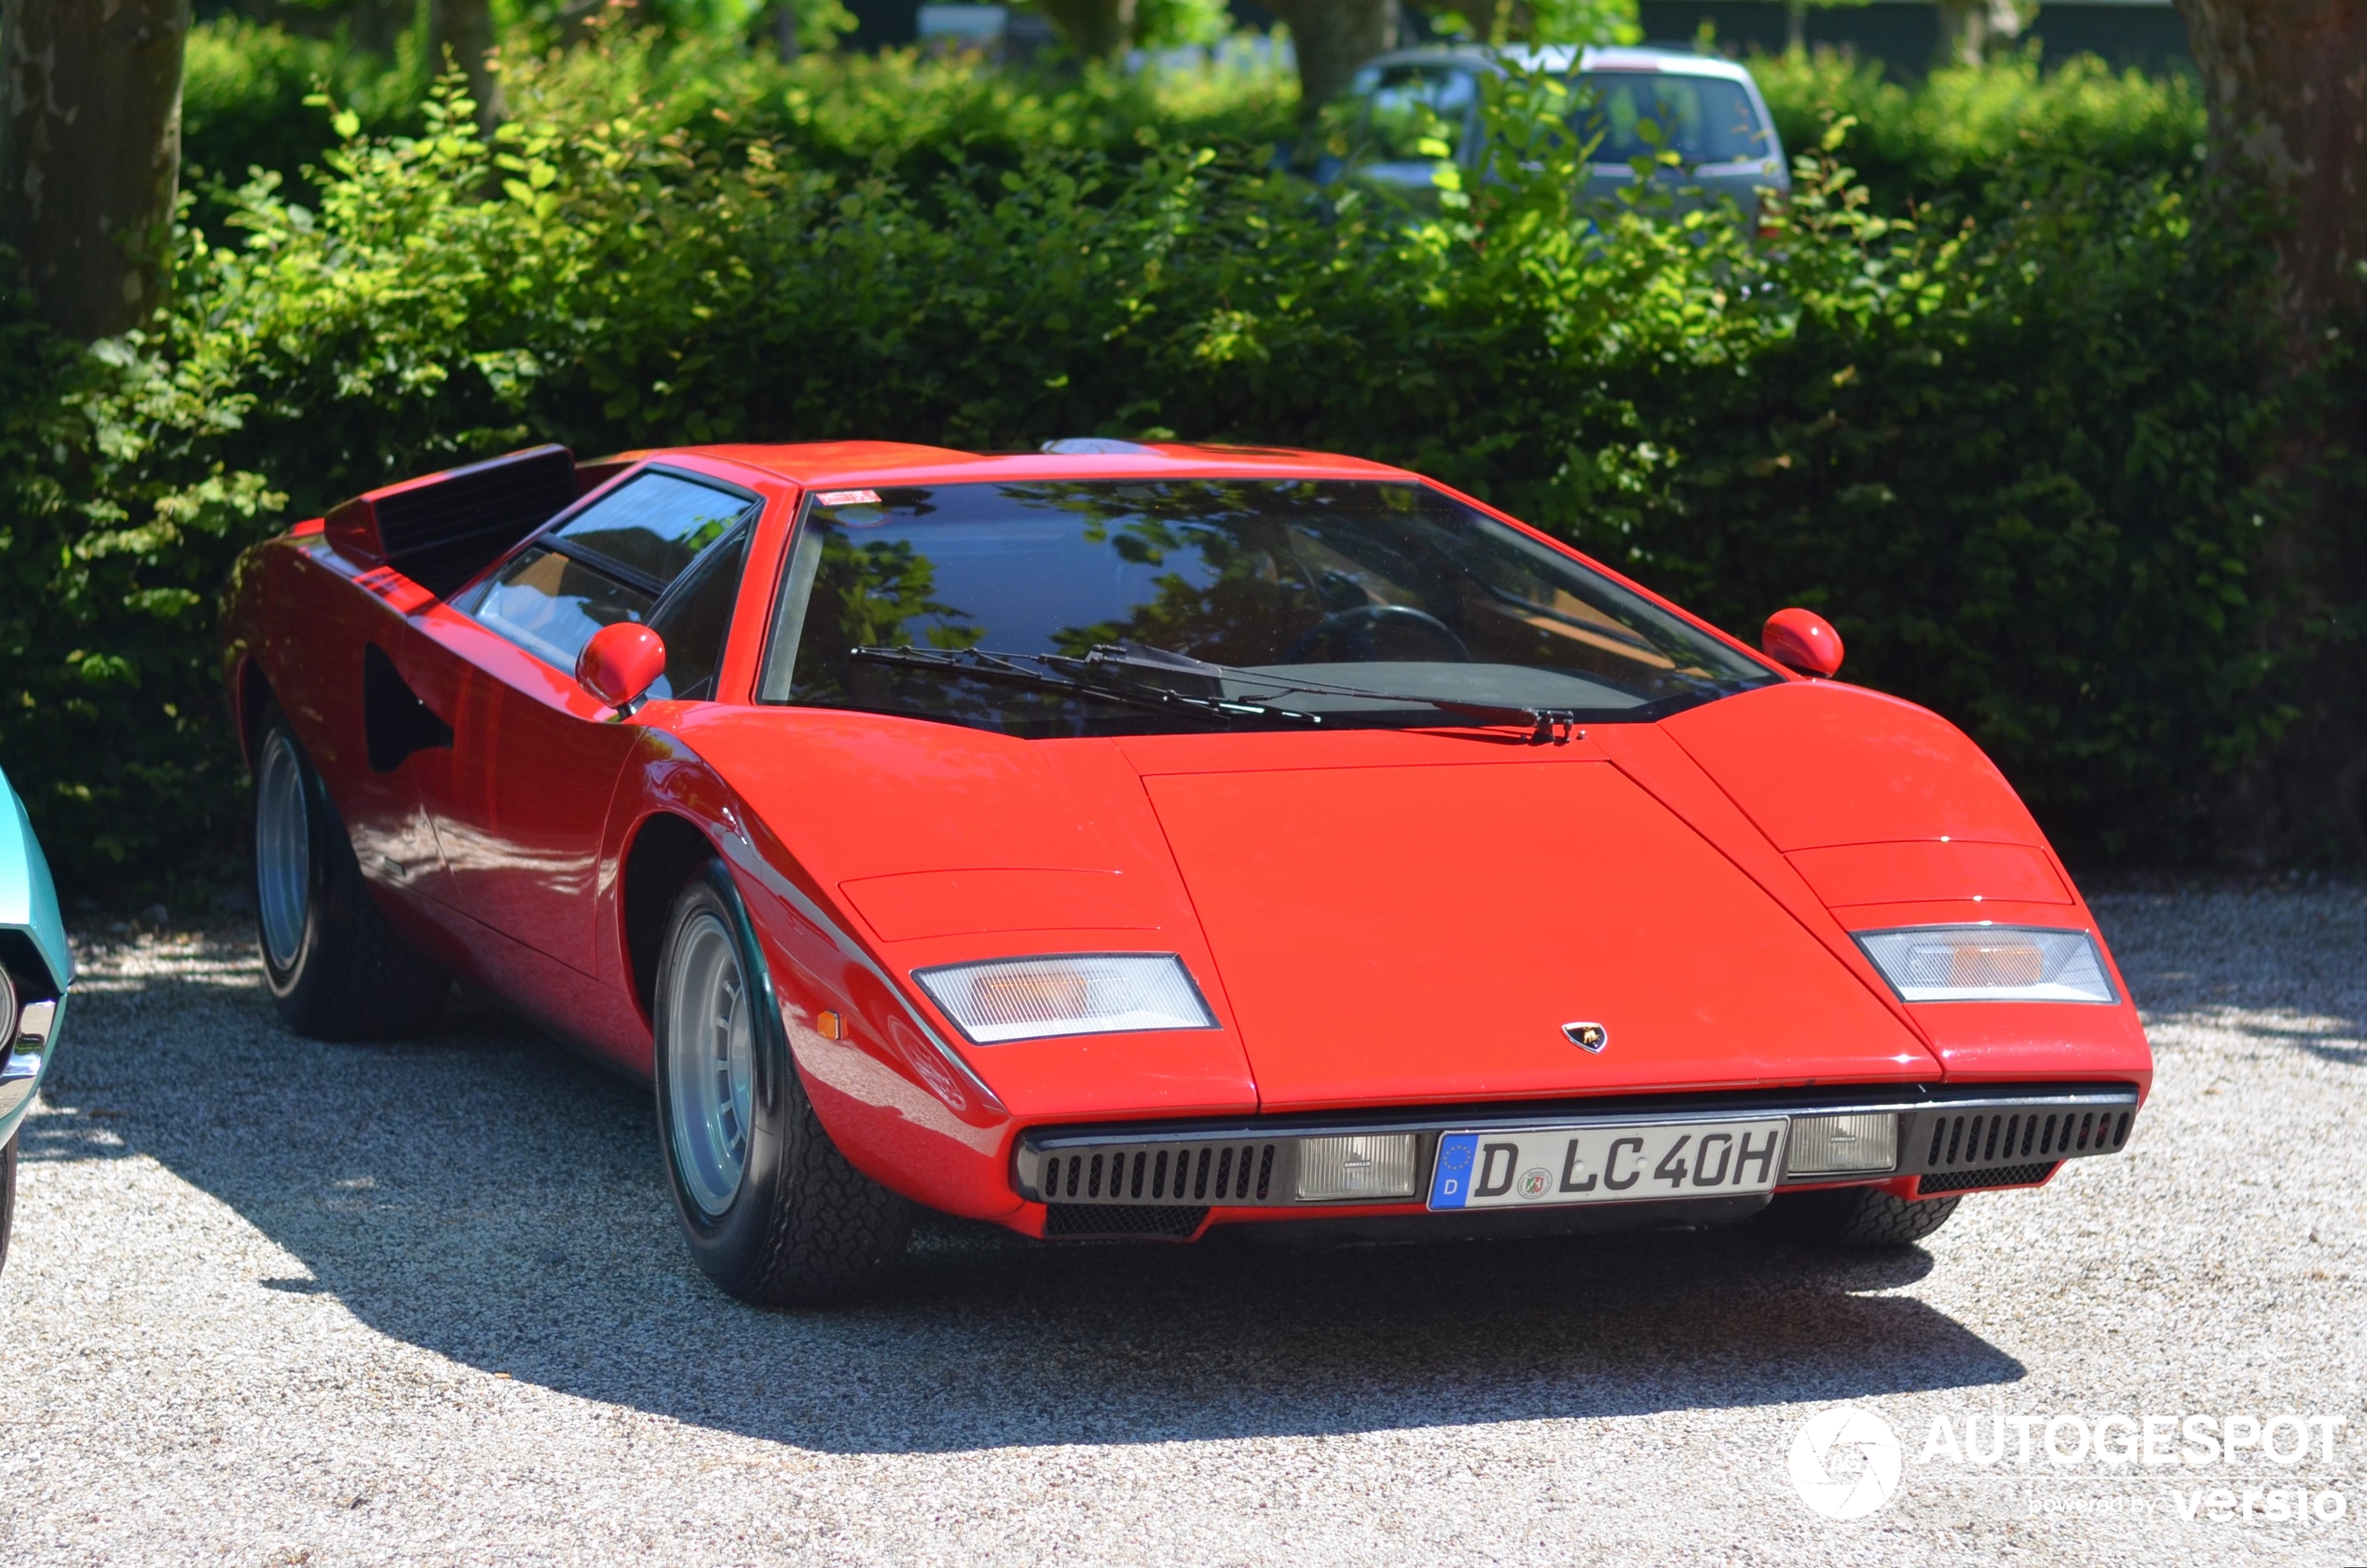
x=1377, y=917
x=1425, y=926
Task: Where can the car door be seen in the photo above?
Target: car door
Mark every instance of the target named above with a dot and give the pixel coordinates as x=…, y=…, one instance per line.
x=521, y=810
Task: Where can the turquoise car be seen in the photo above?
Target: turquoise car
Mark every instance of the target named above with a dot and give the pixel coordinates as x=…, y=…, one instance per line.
x=36, y=970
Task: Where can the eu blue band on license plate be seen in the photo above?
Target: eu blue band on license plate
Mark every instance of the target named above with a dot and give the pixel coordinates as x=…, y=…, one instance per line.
x=1618, y=1163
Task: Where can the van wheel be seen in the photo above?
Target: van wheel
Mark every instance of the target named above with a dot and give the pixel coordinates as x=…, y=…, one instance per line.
x=773, y=1213
x=1858, y=1217
x=337, y=969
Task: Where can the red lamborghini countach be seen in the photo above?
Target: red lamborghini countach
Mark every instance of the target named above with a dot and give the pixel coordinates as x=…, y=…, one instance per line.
x=1119, y=841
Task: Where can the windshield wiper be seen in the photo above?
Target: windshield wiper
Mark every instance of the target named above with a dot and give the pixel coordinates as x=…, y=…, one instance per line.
x=1546, y=726
x=1024, y=669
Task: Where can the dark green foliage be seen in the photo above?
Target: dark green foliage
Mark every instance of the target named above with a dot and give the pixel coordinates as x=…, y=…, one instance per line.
x=1970, y=134
x=2011, y=456
x=244, y=105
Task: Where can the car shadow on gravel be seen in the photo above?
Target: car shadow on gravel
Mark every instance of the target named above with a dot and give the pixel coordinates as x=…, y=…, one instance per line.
x=487, y=1197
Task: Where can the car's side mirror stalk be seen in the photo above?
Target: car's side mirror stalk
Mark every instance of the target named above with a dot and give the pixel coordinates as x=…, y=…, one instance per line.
x=619, y=664
x=1804, y=640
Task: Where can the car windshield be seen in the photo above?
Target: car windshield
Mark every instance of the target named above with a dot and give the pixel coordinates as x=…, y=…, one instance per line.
x=1361, y=602
x=1413, y=109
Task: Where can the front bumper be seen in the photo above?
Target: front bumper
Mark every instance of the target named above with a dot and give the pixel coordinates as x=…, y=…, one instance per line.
x=23, y=1063
x=1164, y=1178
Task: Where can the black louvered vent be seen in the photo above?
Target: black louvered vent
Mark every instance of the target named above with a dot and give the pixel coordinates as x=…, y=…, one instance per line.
x=1972, y=1180
x=1079, y=1221
x=2015, y=1136
x=442, y=534
x=1195, y=1174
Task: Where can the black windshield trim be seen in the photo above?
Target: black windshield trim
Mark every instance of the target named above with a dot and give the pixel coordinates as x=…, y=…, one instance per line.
x=1643, y=713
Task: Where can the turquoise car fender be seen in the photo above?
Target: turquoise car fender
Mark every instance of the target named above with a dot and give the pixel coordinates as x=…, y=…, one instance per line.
x=29, y=913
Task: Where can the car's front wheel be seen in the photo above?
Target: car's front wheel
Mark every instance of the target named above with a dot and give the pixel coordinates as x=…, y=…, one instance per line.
x=1858, y=1217
x=773, y=1212
x=336, y=968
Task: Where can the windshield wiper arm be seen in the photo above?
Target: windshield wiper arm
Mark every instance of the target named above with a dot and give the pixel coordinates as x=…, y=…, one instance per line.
x=1553, y=726
x=1024, y=669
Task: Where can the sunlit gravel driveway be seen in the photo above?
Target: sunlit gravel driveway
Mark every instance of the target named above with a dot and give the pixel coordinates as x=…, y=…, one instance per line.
x=277, y=1301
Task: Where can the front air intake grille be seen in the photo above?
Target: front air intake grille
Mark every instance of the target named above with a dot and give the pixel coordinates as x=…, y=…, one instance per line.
x=1181, y=1173
x=1080, y=1221
x=1947, y=1142
x=1973, y=1180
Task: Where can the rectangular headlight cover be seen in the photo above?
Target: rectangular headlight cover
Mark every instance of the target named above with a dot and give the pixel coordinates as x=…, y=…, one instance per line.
x=1835, y=1145
x=1363, y=1165
x=1989, y=964
x=1067, y=993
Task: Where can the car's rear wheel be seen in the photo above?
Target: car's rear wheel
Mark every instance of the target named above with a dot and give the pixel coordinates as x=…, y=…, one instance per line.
x=337, y=969
x=1858, y=1217
x=775, y=1214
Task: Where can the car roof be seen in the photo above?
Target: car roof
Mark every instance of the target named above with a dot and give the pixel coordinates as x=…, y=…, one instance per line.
x=826, y=463
x=1561, y=58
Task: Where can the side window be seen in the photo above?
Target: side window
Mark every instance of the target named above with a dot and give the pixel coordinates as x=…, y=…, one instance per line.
x=1410, y=104
x=550, y=604
x=654, y=528
x=645, y=552
x=695, y=614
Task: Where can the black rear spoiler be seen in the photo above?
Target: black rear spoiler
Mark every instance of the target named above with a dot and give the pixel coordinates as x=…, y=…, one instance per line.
x=442, y=530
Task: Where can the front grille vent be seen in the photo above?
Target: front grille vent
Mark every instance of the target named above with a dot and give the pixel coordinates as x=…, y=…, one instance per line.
x=1973, y=1180
x=1973, y=1140
x=1200, y=1174
x=1084, y=1221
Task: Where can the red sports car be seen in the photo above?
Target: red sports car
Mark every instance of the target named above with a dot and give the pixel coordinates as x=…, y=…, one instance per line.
x=1119, y=841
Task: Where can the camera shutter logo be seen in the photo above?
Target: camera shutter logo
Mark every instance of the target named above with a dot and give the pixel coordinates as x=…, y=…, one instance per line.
x=1837, y=1435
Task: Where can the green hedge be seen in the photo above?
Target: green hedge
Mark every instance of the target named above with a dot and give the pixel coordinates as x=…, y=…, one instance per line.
x=1967, y=136
x=2011, y=458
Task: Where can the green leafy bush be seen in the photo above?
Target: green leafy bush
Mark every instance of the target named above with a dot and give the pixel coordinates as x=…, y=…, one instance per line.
x=244, y=91
x=1974, y=134
x=252, y=98
x=2010, y=457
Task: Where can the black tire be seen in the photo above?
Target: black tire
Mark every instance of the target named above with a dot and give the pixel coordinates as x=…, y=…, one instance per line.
x=8, y=1194
x=1858, y=1217
x=336, y=968
x=802, y=1224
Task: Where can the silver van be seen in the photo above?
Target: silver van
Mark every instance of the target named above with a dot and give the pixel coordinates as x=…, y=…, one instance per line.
x=1707, y=110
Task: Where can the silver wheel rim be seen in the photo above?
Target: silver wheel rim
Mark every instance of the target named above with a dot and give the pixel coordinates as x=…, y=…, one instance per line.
x=282, y=851
x=710, y=1062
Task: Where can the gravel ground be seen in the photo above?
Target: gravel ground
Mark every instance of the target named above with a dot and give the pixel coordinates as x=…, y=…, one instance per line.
x=275, y=1302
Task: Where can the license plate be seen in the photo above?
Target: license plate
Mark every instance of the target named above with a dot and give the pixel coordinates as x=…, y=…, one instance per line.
x=1539, y=1166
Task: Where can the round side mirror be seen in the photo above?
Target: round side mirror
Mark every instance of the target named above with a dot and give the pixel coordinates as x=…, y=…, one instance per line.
x=621, y=663
x=1802, y=640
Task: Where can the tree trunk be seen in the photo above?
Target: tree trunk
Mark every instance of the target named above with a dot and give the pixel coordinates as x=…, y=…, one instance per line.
x=1332, y=38
x=1095, y=29
x=1796, y=27
x=464, y=29
x=2286, y=84
x=1963, y=32
x=91, y=156
x=785, y=30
